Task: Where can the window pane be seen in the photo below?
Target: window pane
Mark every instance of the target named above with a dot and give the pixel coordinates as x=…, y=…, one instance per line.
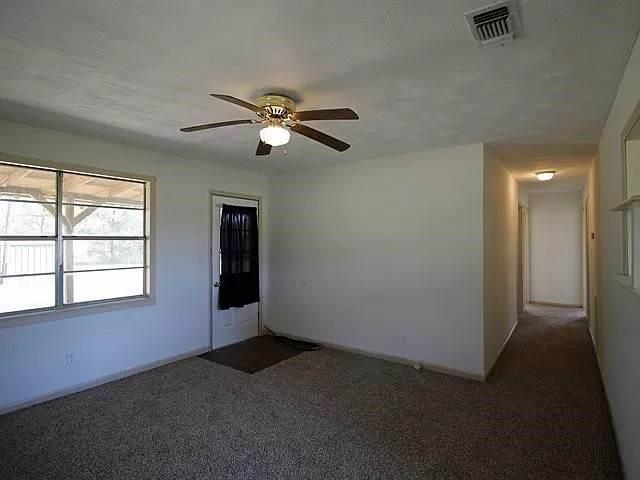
x=27, y=218
x=18, y=258
x=23, y=183
x=97, y=254
x=102, y=221
x=88, y=286
x=25, y=293
x=101, y=191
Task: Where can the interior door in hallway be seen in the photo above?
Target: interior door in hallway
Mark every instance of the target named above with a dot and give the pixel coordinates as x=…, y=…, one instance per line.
x=587, y=267
x=523, y=258
x=233, y=324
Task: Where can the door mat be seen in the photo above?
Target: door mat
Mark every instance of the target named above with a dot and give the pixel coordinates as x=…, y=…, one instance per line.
x=253, y=355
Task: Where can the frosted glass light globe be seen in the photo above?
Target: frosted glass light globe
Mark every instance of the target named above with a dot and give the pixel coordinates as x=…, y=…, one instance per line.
x=275, y=135
x=544, y=176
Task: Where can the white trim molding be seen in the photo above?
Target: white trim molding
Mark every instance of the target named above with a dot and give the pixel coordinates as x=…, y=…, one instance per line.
x=631, y=279
x=389, y=358
x=555, y=304
x=628, y=204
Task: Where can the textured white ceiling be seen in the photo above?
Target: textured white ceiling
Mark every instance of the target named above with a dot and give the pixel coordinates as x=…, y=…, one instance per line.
x=136, y=71
x=570, y=162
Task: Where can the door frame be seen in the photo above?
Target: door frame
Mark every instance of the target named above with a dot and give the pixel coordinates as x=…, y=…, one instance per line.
x=241, y=196
x=587, y=261
x=523, y=268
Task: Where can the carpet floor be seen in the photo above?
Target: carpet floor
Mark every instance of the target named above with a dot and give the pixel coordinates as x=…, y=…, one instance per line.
x=542, y=414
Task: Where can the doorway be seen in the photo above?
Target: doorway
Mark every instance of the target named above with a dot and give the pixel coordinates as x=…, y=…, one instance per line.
x=587, y=264
x=523, y=258
x=235, y=323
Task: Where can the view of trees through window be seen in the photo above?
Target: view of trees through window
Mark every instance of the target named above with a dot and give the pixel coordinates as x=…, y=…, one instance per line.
x=91, y=238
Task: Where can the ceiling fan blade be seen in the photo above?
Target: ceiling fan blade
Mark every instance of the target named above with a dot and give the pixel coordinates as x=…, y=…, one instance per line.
x=240, y=103
x=329, y=114
x=263, y=148
x=207, y=126
x=318, y=136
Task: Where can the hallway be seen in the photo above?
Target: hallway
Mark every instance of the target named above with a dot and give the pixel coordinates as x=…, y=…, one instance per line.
x=331, y=414
x=548, y=378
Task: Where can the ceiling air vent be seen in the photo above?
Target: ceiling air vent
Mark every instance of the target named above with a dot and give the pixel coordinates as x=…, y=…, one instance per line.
x=495, y=24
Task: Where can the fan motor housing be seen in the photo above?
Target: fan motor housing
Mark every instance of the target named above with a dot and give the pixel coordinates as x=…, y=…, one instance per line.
x=277, y=105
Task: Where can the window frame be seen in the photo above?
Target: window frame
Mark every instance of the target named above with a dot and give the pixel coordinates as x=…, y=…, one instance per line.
x=60, y=310
x=631, y=122
x=627, y=257
x=630, y=209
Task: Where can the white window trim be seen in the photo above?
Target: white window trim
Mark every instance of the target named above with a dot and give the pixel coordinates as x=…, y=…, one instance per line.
x=631, y=239
x=25, y=317
x=631, y=279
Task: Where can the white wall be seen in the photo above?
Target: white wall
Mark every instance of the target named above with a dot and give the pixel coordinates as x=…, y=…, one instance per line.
x=619, y=316
x=593, y=268
x=368, y=253
x=500, y=256
x=32, y=357
x=555, y=224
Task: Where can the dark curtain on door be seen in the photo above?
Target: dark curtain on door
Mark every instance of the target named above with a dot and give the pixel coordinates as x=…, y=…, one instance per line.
x=239, y=276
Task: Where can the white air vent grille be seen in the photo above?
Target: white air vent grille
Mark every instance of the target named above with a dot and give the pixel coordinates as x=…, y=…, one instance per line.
x=495, y=24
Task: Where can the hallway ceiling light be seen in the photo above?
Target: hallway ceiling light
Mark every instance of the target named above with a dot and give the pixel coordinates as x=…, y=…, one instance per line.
x=545, y=175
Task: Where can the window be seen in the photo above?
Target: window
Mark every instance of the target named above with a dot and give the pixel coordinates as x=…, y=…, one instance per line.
x=632, y=161
x=630, y=207
x=70, y=238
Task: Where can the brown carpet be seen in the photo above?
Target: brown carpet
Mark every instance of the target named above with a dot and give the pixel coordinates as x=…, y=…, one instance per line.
x=253, y=355
x=334, y=415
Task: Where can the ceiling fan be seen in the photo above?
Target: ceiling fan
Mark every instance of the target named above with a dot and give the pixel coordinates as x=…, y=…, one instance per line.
x=279, y=114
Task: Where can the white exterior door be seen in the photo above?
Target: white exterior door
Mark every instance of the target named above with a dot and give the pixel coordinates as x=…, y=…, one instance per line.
x=235, y=324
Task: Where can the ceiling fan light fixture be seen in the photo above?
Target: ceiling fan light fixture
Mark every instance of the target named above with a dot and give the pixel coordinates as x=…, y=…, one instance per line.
x=275, y=135
x=280, y=115
x=545, y=175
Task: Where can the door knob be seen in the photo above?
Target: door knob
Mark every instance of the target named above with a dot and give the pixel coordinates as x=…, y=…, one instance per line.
x=217, y=284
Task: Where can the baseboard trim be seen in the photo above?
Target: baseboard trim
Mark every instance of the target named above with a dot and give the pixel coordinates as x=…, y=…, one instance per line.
x=98, y=381
x=595, y=345
x=504, y=345
x=389, y=358
x=609, y=410
x=555, y=304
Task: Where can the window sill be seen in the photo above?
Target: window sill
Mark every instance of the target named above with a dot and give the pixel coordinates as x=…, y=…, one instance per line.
x=625, y=281
x=628, y=204
x=40, y=316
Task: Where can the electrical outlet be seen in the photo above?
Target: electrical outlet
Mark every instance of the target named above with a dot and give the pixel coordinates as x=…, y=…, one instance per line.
x=404, y=341
x=69, y=359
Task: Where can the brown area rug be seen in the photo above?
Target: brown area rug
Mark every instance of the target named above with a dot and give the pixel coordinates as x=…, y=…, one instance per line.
x=253, y=355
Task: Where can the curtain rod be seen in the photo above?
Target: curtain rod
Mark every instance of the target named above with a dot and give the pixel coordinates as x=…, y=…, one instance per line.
x=223, y=204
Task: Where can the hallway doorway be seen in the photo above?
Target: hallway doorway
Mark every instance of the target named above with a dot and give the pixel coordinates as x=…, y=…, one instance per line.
x=556, y=239
x=587, y=263
x=523, y=258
